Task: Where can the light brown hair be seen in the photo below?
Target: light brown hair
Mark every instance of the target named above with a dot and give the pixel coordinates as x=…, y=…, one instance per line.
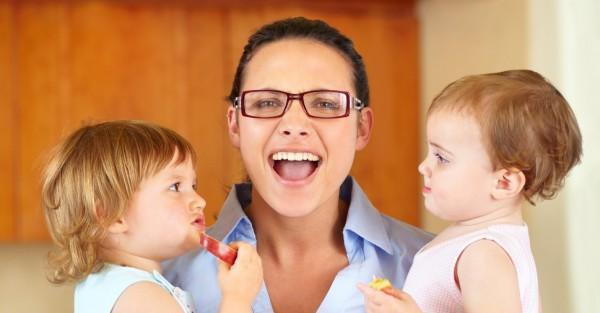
x=526, y=124
x=88, y=183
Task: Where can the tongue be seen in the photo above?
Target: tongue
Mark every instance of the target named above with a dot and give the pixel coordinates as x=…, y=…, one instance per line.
x=294, y=170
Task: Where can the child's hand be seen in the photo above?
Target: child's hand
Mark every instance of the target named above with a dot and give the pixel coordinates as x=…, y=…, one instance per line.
x=387, y=300
x=241, y=282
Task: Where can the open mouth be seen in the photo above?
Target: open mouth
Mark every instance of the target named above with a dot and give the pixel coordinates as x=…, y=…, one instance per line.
x=295, y=166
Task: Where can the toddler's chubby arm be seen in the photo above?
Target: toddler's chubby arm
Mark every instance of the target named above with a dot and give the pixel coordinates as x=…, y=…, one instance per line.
x=382, y=297
x=241, y=282
x=488, y=279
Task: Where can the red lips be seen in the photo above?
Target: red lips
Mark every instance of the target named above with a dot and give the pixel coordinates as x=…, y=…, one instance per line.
x=199, y=223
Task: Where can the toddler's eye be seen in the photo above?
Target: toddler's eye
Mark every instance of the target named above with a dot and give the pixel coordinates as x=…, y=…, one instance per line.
x=174, y=187
x=440, y=158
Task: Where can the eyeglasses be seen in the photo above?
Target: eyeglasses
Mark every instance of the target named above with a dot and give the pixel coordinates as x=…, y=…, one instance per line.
x=268, y=103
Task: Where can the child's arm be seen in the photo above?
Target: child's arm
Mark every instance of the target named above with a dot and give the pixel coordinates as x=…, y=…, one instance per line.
x=146, y=297
x=241, y=282
x=487, y=279
x=388, y=300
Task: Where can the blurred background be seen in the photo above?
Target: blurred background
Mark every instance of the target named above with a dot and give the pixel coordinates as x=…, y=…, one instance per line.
x=67, y=63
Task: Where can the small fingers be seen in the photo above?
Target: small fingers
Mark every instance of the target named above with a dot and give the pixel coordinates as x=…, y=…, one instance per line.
x=372, y=296
x=365, y=290
x=396, y=293
x=223, y=270
x=243, y=253
x=246, y=255
x=386, y=300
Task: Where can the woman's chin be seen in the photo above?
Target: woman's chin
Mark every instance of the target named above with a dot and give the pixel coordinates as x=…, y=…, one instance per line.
x=294, y=208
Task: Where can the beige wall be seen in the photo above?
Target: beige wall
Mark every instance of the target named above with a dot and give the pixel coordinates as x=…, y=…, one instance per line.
x=23, y=287
x=560, y=39
x=579, y=60
x=547, y=221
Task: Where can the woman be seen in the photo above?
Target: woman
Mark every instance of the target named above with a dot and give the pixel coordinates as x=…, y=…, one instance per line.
x=299, y=111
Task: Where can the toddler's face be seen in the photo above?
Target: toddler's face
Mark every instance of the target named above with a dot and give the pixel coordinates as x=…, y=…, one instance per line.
x=457, y=171
x=165, y=216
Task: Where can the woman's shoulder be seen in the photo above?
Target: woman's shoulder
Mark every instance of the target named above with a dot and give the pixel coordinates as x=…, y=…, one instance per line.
x=387, y=230
x=406, y=235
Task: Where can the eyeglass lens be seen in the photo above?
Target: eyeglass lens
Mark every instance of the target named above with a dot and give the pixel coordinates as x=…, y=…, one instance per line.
x=263, y=103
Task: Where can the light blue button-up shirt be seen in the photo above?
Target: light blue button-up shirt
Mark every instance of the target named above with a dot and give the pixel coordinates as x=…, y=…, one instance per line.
x=375, y=245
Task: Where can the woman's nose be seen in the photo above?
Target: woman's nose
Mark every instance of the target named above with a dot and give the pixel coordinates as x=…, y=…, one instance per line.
x=295, y=122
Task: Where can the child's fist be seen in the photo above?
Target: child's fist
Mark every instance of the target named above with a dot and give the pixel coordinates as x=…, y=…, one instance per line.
x=241, y=282
x=388, y=299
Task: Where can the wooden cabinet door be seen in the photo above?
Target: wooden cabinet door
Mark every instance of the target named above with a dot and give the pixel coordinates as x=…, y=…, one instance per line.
x=8, y=157
x=67, y=63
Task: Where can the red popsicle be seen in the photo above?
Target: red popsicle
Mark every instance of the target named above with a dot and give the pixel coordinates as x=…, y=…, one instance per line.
x=218, y=249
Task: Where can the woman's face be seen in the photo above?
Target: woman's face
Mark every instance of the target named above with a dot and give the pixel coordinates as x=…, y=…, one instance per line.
x=270, y=148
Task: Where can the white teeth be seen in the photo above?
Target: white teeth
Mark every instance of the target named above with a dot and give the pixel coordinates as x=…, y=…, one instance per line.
x=294, y=156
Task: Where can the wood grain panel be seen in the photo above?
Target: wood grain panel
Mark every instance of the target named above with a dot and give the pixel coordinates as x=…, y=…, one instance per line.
x=207, y=88
x=163, y=65
x=160, y=64
x=8, y=158
x=76, y=62
x=41, y=93
x=126, y=63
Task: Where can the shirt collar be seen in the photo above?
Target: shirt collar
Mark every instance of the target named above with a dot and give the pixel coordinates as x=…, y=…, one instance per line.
x=363, y=219
x=232, y=215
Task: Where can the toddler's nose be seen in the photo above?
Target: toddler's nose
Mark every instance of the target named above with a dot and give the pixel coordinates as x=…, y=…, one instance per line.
x=423, y=168
x=199, y=203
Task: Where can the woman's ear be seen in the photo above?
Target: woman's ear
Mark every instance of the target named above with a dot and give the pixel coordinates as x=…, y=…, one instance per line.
x=365, y=126
x=233, y=126
x=508, y=184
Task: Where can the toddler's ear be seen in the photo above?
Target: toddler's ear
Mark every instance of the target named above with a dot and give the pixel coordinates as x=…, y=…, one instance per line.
x=509, y=183
x=118, y=227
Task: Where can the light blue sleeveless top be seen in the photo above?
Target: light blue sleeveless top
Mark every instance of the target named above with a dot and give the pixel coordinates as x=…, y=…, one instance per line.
x=99, y=292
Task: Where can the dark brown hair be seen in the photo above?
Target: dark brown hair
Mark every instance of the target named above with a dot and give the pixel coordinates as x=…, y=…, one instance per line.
x=302, y=28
